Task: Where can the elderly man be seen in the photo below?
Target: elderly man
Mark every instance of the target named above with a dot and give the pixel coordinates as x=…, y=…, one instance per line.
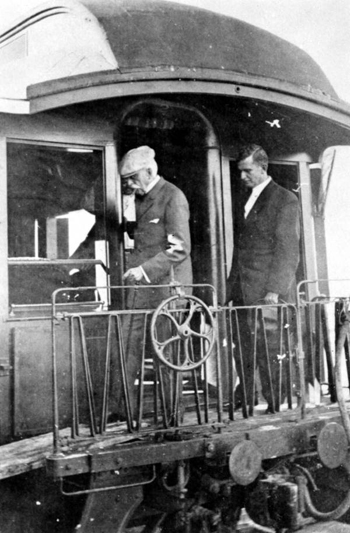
x=162, y=235
x=265, y=258
x=162, y=245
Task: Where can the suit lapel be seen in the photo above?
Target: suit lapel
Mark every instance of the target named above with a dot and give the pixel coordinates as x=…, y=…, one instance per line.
x=261, y=201
x=145, y=203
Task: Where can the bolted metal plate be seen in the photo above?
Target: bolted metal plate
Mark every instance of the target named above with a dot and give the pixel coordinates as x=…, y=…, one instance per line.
x=245, y=462
x=332, y=445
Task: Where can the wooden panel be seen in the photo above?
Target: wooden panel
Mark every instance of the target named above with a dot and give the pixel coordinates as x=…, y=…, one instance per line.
x=29, y=454
x=25, y=455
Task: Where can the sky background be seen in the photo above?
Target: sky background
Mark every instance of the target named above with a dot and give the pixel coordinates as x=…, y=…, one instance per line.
x=320, y=27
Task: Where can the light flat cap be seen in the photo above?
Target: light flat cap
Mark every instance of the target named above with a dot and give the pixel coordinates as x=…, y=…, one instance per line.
x=135, y=160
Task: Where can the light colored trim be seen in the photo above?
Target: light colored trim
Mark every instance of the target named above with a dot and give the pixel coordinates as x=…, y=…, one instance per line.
x=309, y=251
x=3, y=230
x=227, y=208
x=113, y=188
x=113, y=213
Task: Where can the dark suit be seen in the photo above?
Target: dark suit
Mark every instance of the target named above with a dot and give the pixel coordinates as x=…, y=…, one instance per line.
x=162, y=243
x=267, y=248
x=265, y=260
x=162, y=248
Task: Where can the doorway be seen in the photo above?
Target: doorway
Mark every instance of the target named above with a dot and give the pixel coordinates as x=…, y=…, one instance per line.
x=188, y=155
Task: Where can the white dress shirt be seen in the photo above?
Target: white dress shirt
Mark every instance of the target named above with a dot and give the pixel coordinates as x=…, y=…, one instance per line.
x=255, y=195
x=129, y=212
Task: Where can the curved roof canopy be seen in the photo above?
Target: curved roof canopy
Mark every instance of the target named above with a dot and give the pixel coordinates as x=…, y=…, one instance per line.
x=99, y=42
x=147, y=33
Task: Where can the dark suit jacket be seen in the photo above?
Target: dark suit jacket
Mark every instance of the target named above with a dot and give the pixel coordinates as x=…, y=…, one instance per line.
x=266, y=251
x=162, y=242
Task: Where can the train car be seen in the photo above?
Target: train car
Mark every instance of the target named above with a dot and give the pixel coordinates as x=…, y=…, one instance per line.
x=82, y=82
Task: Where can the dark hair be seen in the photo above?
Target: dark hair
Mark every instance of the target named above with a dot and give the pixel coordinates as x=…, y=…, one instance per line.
x=259, y=155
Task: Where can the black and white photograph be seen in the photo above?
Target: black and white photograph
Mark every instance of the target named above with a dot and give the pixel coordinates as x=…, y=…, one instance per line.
x=174, y=266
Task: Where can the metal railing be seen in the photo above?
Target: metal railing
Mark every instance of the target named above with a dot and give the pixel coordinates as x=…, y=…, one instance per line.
x=276, y=352
x=321, y=317
x=262, y=345
x=91, y=363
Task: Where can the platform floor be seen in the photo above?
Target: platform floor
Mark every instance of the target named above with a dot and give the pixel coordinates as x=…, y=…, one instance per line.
x=31, y=453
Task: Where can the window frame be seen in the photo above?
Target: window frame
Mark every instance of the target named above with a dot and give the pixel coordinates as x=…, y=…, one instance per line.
x=112, y=214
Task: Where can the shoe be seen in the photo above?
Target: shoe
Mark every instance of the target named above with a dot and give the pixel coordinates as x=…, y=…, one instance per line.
x=239, y=402
x=238, y=405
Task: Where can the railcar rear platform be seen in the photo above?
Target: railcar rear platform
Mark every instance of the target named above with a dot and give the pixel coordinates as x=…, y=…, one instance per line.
x=276, y=435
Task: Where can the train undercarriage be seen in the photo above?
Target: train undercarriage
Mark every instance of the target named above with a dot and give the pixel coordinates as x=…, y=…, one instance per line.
x=192, y=480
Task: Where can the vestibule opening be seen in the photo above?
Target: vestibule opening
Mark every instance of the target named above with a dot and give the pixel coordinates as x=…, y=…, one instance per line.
x=188, y=155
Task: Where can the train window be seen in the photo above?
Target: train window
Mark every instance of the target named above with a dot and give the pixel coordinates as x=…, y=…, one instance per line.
x=332, y=207
x=56, y=228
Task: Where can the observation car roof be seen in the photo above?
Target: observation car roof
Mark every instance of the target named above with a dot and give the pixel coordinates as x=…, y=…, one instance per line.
x=155, y=34
x=84, y=50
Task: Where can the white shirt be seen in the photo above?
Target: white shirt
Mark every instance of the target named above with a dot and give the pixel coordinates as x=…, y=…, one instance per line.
x=129, y=212
x=255, y=195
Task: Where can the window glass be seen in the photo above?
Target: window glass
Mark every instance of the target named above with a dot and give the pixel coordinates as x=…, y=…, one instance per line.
x=56, y=229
